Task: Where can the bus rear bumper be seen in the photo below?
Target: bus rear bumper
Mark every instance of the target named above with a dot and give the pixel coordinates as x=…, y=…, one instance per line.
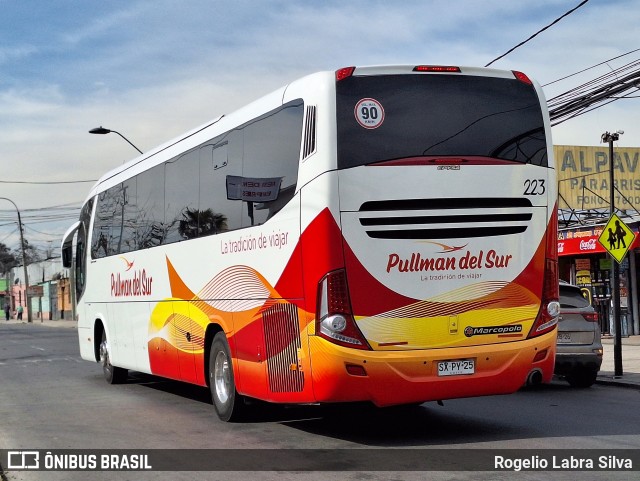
x=400, y=377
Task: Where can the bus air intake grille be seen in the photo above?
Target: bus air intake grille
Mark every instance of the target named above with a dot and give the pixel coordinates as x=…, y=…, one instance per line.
x=309, y=146
x=282, y=341
x=445, y=218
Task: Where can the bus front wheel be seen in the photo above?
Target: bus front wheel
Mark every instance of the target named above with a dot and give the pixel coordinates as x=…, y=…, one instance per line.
x=113, y=374
x=228, y=403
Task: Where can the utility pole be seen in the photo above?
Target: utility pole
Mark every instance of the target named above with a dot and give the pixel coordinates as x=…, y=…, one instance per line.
x=615, y=273
x=24, y=262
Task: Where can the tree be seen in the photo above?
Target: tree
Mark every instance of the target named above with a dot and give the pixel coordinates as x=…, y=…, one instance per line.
x=7, y=259
x=30, y=252
x=199, y=223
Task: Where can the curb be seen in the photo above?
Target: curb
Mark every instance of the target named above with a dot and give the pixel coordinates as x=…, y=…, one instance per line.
x=64, y=324
x=606, y=381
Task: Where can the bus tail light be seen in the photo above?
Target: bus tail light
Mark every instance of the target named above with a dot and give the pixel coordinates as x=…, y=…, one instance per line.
x=436, y=68
x=550, y=307
x=334, y=319
x=344, y=73
x=522, y=77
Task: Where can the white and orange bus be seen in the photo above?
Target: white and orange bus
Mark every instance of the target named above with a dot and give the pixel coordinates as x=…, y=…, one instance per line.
x=382, y=234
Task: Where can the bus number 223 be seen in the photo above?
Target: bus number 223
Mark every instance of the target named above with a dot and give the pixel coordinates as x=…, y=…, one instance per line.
x=534, y=187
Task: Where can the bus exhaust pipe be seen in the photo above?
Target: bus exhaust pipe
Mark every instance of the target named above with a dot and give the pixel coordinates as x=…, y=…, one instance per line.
x=534, y=378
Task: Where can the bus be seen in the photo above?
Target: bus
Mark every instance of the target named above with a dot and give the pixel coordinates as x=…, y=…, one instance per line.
x=373, y=234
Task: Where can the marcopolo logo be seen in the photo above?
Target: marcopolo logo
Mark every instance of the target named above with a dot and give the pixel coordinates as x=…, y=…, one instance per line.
x=470, y=331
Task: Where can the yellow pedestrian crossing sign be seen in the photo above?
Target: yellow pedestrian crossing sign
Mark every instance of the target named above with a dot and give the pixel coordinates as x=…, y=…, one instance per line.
x=616, y=238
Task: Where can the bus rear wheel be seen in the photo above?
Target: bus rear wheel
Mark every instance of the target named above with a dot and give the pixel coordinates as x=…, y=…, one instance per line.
x=229, y=404
x=113, y=374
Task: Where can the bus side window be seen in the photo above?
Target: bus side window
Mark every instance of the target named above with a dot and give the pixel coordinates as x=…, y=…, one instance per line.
x=127, y=242
x=149, y=208
x=181, y=197
x=272, y=150
x=81, y=248
x=102, y=224
x=218, y=158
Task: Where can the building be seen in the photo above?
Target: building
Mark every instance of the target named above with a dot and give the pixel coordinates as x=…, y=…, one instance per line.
x=583, y=211
x=49, y=293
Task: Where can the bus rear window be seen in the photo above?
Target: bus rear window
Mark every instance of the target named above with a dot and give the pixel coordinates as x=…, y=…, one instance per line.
x=387, y=117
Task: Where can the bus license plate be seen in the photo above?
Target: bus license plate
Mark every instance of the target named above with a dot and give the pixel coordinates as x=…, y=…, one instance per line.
x=456, y=368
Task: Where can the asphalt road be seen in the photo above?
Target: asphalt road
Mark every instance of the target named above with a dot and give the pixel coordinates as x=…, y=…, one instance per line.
x=50, y=399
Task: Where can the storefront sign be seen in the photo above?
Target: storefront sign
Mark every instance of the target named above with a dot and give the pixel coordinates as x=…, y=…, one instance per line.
x=583, y=176
x=583, y=264
x=585, y=242
x=35, y=291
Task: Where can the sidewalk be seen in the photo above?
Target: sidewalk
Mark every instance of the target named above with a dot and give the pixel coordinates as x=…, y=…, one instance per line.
x=630, y=355
x=60, y=323
x=630, y=363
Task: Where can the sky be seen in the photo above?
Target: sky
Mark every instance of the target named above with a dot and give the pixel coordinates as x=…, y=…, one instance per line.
x=153, y=69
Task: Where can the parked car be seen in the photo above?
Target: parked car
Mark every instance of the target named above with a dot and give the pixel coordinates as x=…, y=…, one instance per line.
x=579, y=348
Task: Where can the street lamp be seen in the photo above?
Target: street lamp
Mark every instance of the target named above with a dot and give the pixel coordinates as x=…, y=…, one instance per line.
x=615, y=282
x=24, y=262
x=101, y=130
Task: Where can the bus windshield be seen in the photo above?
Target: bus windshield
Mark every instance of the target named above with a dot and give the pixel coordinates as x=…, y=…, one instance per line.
x=388, y=117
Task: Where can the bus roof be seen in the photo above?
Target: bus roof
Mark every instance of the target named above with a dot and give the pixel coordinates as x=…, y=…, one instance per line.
x=268, y=102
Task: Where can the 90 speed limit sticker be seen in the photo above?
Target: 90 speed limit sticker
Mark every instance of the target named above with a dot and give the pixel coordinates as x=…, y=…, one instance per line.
x=369, y=113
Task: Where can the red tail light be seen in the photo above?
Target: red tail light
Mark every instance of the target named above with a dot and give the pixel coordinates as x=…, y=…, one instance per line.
x=334, y=319
x=344, y=73
x=436, y=68
x=547, y=319
x=590, y=316
x=522, y=77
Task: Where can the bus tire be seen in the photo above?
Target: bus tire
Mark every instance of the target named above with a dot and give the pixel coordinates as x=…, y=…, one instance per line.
x=113, y=374
x=229, y=404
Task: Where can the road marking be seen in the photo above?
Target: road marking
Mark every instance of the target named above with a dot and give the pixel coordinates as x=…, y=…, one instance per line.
x=31, y=362
x=38, y=348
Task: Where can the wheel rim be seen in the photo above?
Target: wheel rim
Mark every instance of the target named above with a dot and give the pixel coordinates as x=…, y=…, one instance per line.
x=222, y=377
x=104, y=355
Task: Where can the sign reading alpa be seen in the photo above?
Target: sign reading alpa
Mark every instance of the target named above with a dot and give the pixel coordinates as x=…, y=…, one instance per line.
x=583, y=176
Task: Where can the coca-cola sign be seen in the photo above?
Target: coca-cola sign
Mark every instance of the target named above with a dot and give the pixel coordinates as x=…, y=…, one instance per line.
x=588, y=244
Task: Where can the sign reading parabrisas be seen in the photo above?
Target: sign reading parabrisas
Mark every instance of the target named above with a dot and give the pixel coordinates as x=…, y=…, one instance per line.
x=583, y=176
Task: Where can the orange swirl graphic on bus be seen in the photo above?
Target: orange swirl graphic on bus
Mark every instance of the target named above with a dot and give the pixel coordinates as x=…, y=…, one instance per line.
x=237, y=299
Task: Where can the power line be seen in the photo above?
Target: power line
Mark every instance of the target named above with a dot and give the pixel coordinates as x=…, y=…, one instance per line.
x=538, y=32
x=589, y=68
x=10, y=234
x=56, y=236
x=595, y=93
